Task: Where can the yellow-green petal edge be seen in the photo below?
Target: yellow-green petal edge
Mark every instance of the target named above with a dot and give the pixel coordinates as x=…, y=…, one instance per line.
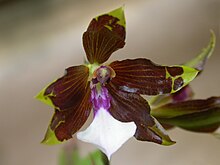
x=45, y=98
x=188, y=75
x=118, y=13
x=160, y=131
x=50, y=138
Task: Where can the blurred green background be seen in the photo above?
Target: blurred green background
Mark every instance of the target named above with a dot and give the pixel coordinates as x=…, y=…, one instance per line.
x=40, y=38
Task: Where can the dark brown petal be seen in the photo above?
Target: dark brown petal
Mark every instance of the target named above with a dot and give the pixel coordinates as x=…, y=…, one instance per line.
x=103, y=36
x=144, y=77
x=70, y=96
x=175, y=71
x=127, y=107
x=69, y=90
x=68, y=121
x=178, y=83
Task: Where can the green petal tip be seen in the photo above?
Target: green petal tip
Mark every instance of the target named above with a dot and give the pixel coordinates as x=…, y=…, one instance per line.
x=167, y=142
x=161, y=132
x=45, y=98
x=50, y=138
x=119, y=13
x=189, y=74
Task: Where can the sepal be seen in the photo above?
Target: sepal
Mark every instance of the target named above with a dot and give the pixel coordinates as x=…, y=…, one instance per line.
x=104, y=35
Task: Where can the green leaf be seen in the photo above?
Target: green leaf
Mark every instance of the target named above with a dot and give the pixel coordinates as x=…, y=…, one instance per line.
x=199, y=61
x=195, y=115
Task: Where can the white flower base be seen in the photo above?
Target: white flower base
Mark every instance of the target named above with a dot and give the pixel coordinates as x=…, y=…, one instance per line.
x=107, y=133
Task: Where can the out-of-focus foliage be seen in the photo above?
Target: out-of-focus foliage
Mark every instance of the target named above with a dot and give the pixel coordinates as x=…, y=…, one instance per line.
x=73, y=157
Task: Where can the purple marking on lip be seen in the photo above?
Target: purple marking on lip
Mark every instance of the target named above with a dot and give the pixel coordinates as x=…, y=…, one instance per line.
x=100, y=100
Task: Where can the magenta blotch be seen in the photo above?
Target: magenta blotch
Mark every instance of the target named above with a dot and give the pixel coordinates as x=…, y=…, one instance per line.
x=100, y=98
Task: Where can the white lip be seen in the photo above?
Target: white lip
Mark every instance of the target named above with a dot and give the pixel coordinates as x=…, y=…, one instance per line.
x=107, y=133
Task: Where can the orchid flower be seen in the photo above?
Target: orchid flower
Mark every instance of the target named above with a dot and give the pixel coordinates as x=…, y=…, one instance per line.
x=111, y=90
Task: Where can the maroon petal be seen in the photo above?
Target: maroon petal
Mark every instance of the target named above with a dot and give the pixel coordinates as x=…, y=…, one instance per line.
x=127, y=107
x=69, y=89
x=144, y=77
x=103, y=36
x=67, y=122
x=71, y=98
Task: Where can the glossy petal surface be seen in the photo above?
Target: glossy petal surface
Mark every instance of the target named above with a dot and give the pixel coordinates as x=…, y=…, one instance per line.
x=66, y=123
x=107, y=133
x=198, y=63
x=144, y=77
x=70, y=96
x=127, y=107
x=195, y=115
x=105, y=34
x=69, y=89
